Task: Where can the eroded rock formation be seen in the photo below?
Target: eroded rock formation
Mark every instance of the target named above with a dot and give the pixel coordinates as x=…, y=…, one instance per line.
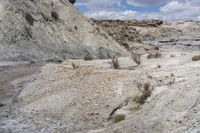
x=50, y=30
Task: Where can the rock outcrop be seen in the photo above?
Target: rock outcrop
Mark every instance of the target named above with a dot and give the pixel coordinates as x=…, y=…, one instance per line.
x=38, y=30
x=125, y=32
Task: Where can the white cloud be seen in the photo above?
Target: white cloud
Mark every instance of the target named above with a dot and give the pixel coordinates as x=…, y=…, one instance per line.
x=145, y=2
x=175, y=6
x=127, y=14
x=114, y=9
x=185, y=9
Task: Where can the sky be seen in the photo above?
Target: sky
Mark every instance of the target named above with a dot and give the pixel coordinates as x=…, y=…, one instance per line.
x=176, y=10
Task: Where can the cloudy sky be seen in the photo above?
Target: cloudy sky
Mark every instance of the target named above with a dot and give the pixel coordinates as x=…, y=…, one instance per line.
x=141, y=9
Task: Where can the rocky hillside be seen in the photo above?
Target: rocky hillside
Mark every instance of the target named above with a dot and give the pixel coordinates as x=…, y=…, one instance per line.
x=50, y=31
x=146, y=36
x=155, y=89
x=126, y=34
x=160, y=94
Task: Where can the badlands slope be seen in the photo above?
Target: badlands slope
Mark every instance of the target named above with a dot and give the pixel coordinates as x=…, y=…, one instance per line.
x=159, y=95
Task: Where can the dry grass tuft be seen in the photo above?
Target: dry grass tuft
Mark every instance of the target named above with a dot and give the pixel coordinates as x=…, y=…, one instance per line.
x=134, y=106
x=145, y=94
x=118, y=118
x=115, y=63
x=75, y=66
x=141, y=96
x=136, y=57
x=88, y=57
x=154, y=55
x=147, y=86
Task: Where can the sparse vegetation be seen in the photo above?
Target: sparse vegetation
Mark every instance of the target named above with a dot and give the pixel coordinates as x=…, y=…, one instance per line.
x=172, y=81
x=125, y=45
x=118, y=118
x=136, y=57
x=196, y=58
x=145, y=94
x=172, y=75
x=88, y=57
x=150, y=77
x=55, y=60
x=115, y=63
x=29, y=19
x=27, y=33
x=122, y=31
x=134, y=106
x=45, y=17
x=146, y=86
x=172, y=56
x=138, y=98
x=156, y=48
x=135, y=96
x=75, y=66
x=159, y=66
x=2, y=105
x=54, y=15
x=141, y=96
x=154, y=55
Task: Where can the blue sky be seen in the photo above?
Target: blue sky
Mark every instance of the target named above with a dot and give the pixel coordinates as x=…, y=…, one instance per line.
x=140, y=9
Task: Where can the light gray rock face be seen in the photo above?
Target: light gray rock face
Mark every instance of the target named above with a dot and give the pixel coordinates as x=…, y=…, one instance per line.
x=41, y=30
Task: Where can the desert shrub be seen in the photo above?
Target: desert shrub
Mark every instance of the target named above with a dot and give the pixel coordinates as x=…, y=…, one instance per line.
x=2, y=105
x=88, y=57
x=156, y=48
x=118, y=118
x=125, y=45
x=27, y=32
x=172, y=75
x=136, y=57
x=135, y=96
x=196, y=58
x=54, y=15
x=172, y=56
x=141, y=97
x=154, y=55
x=145, y=94
x=146, y=86
x=134, y=107
x=54, y=60
x=45, y=17
x=75, y=27
x=29, y=19
x=115, y=63
x=75, y=66
x=159, y=66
